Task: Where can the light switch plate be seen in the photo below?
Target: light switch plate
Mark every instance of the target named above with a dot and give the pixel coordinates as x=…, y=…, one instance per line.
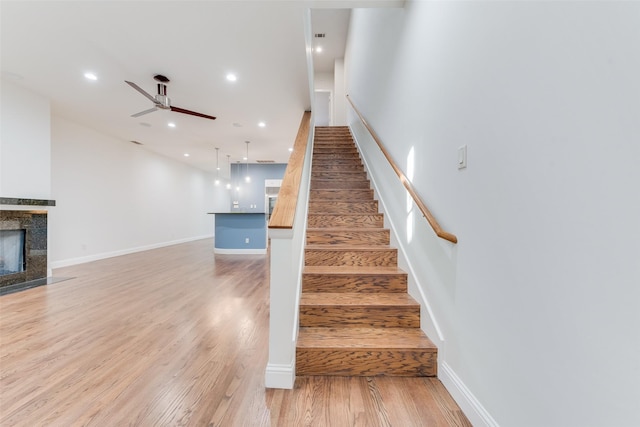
x=462, y=157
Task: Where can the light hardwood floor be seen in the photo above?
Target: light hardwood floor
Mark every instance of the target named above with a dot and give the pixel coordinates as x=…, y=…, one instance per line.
x=171, y=337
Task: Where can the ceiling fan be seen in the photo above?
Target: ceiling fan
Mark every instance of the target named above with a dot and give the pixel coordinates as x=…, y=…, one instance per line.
x=161, y=100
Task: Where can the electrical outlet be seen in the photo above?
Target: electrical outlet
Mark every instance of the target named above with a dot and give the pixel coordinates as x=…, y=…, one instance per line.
x=246, y=240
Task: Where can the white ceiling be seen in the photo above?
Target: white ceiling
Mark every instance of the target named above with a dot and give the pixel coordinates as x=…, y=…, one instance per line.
x=47, y=46
x=334, y=25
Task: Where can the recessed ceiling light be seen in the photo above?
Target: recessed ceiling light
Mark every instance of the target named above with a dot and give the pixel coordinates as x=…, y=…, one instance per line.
x=244, y=158
x=290, y=150
x=232, y=77
x=319, y=49
x=171, y=124
x=90, y=76
x=186, y=154
x=262, y=124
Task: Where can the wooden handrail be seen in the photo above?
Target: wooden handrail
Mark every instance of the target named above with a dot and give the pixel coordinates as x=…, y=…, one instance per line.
x=285, y=209
x=407, y=184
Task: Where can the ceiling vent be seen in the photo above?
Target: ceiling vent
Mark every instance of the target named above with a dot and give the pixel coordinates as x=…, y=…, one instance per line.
x=265, y=161
x=136, y=142
x=320, y=35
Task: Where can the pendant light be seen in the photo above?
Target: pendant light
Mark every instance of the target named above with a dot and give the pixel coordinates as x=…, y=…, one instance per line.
x=247, y=178
x=239, y=171
x=217, y=166
x=229, y=169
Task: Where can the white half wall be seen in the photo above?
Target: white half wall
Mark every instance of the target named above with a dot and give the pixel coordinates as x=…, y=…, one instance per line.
x=114, y=197
x=540, y=318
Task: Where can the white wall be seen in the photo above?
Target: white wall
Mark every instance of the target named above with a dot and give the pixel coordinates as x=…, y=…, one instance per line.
x=323, y=81
x=25, y=153
x=221, y=196
x=540, y=318
x=114, y=197
x=322, y=103
x=339, y=100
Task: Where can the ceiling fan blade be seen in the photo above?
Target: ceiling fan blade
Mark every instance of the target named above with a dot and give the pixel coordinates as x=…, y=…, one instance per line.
x=142, y=113
x=193, y=113
x=142, y=91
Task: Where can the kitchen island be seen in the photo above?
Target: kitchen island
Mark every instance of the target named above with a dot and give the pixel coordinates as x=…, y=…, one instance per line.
x=240, y=233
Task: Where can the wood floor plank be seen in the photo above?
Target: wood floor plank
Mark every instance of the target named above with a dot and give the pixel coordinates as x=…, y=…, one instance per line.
x=172, y=336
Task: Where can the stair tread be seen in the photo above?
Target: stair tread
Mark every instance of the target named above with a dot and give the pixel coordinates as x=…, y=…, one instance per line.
x=336, y=247
x=344, y=214
x=357, y=299
x=354, y=201
x=349, y=149
x=341, y=270
x=372, y=338
x=344, y=220
x=345, y=229
x=342, y=190
x=351, y=235
x=339, y=179
x=336, y=173
x=337, y=215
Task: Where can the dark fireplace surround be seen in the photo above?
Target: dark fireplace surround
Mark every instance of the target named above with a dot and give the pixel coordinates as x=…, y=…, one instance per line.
x=34, y=224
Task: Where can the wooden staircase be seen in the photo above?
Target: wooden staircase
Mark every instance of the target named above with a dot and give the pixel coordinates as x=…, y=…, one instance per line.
x=356, y=318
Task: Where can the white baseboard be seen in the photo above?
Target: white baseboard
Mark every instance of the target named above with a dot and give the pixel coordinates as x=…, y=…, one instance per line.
x=280, y=376
x=104, y=255
x=472, y=408
x=239, y=251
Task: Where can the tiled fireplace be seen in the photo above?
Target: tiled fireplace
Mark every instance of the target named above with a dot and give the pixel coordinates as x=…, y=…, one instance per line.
x=23, y=248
